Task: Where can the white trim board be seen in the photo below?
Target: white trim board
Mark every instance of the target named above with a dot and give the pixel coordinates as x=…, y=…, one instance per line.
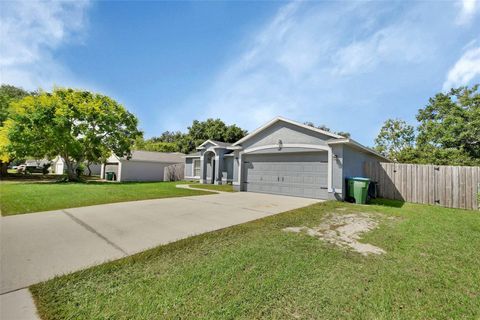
x=288, y=145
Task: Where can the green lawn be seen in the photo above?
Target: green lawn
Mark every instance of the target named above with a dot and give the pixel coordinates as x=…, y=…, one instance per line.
x=256, y=270
x=222, y=187
x=19, y=198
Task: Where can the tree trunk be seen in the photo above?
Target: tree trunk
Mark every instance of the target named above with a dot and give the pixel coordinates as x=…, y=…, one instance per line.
x=71, y=174
x=89, y=170
x=3, y=169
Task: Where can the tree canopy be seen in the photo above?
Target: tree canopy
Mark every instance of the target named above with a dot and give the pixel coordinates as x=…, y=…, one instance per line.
x=448, y=131
x=394, y=137
x=325, y=128
x=197, y=133
x=8, y=94
x=78, y=125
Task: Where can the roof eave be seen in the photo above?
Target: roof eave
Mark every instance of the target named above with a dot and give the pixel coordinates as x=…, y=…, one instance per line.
x=354, y=143
x=234, y=148
x=205, y=142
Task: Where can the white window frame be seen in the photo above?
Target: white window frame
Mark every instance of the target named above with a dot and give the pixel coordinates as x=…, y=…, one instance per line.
x=193, y=168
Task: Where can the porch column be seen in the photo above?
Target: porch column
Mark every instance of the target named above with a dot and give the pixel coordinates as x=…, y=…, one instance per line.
x=218, y=169
x=240, y=171
x=203, y=170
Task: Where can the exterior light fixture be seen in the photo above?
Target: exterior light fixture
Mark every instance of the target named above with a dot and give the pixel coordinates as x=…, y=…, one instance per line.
x=280, y=144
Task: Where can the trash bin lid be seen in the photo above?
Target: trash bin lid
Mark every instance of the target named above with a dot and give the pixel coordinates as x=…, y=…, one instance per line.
x=359, y=178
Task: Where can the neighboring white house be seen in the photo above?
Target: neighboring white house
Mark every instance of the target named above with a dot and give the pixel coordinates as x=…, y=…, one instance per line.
x=145, y=166
x=59, y=167
x=36, y=162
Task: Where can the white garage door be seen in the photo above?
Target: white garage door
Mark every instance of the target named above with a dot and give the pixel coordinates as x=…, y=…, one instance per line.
x=293, y=174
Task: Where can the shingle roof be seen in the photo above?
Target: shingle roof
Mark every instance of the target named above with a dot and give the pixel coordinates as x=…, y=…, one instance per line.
x=194, y=154
x=151, y=156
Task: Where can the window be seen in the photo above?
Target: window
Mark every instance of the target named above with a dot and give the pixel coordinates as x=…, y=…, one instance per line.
x=196, y=168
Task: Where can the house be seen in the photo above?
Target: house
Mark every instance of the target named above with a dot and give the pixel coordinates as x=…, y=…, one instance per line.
x=59, y=167
x=37, y=163
x=282, y=157
x=145, y=166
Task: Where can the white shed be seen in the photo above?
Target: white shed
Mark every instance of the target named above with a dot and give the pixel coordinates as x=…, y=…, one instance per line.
x=58, y=165
x=142, y=165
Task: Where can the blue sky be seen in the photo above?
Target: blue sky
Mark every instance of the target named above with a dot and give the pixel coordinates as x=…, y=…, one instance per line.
x=348, y=65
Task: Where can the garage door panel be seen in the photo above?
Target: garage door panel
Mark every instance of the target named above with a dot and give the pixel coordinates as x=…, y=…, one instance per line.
x=303, y=175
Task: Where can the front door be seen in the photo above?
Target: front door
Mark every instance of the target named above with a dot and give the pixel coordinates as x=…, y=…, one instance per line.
x=213, y=171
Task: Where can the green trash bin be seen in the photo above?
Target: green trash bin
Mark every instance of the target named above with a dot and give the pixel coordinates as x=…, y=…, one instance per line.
x=110, y=176
x=358, y=189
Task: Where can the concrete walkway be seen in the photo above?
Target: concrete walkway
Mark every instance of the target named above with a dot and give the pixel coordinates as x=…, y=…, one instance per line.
x=192, y=187
x=36, y=247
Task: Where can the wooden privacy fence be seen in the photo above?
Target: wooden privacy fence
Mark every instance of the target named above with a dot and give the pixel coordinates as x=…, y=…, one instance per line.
x=448, y=186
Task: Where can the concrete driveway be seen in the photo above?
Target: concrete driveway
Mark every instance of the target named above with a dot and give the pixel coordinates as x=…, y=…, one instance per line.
x=36, y=247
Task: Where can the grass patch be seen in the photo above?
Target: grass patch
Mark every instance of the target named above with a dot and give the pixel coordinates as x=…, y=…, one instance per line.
x=256, y=270
x=222, y=187
x=17, y=198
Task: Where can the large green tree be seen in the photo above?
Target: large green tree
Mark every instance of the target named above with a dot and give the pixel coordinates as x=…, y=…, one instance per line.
x=213, y=129
x=449, y=127
x=80, y=126
x=8, y=94
x=448, y=132
x=198, y=132
x=395, y=136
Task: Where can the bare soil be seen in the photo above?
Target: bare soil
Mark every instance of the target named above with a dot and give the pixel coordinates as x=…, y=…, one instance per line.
x=344, y=231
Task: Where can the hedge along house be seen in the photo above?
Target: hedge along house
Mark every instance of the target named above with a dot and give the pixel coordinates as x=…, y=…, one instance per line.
x=144, y=166
x=282, y=157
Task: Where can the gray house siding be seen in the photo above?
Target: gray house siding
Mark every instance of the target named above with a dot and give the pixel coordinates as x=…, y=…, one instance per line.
x=353, y=164
x=236, y=165
x=228, y=168
x=288, y=134
x=337, y=173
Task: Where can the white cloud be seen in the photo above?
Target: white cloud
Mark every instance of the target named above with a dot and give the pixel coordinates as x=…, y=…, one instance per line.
x=468, y=9
x=464, y=70
x=296, y=64
x=390, y=44
x=30, y=32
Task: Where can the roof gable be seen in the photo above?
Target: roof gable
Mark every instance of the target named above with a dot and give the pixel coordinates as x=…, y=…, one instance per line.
x=213, y=143
x=294, y=123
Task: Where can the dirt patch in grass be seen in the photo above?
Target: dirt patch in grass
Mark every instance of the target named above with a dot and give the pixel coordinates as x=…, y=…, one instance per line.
x=344, y=231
